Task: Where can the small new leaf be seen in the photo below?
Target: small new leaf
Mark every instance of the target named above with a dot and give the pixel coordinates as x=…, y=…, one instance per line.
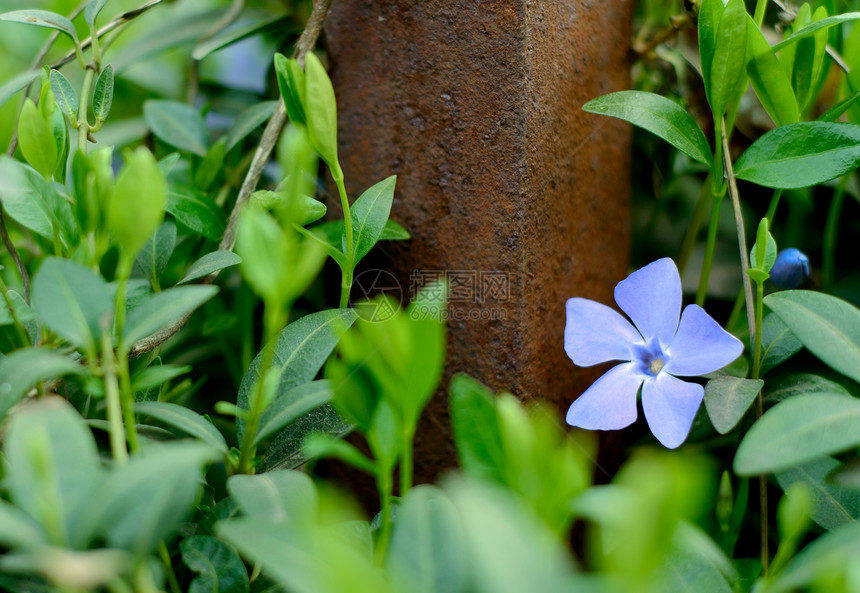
x=103, y=94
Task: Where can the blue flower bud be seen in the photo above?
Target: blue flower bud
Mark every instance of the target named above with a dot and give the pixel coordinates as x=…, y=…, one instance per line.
x=790, y=269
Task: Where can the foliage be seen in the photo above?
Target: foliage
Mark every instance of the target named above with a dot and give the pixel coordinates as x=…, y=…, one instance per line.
x=174, y=389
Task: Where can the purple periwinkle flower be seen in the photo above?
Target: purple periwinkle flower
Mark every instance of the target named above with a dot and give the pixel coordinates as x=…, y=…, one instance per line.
x=655, y=352
x=790, y=269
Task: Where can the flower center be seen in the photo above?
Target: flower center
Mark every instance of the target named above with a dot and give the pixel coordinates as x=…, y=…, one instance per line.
x=656, y=366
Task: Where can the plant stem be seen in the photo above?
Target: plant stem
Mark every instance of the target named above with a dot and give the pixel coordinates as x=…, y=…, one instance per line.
x=710, y=247
x=406, y=463
x=164, y=555
x=699, y=213
x=114, y=408
x=82, y=125
x=384, y=485
x=771, y=209
x=126, y=394
x=346, y=278
x=831, y=230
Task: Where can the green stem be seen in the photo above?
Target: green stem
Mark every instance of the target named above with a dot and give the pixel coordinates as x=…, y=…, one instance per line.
x=164, y=555
x=384, y=484
x=114, y=408
x=94, y=46
x=699, y=213
x=831, y=230
x=760, y=8
x=347, y=271
x=406, y=464
x=126, y=393
x=759, y=312
x=710, y=247
x=81, y=124
x=771, y=209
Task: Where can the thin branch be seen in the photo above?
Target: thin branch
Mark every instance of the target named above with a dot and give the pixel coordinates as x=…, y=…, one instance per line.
x=10, y=247
x=306, y=43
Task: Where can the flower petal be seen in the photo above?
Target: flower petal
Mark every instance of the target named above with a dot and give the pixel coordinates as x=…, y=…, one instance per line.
x=610, y=403
x=651, y=297
x=670, y=406
x=594, y=333
x=700, y=346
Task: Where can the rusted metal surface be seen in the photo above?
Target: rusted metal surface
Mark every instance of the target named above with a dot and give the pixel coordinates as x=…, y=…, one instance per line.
x=475, y=105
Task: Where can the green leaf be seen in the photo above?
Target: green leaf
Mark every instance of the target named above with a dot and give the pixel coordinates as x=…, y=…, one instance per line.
x=299, y=351
x=212, y=164
x=729, y=61
x=177, y=124
x=287, y=451
x=167, y=478
x=384, y=436
x=72, y=300
x=778, y=343
x=798, y=384
x=103, y=94
x=694, y=563
x=832, y=555
x=812, y=28
x=428, y=551
x=477, y=433
x=16, y=83
x=160, y=309
x=291, y=83
x=837, y=110
x=42, y=18
x=92, y=10
x=276, y=496
x=248, y=121
x=319, y=445
x=770, y=82
x=137, y=201
x=369, y=215
x=801, y=155
x=290, y=405
x=17, y=529
x=36, y=139
x=728, y=398
x=219, y=566
x=154, y=255
x=321, y=110
x=64, y=94
x=765, y=242
x=185, y=420
x=808, y=62
x=829, y=327
x=394, y=231
x=209, y=263
x=154, y=376
x=52, y=467
x=798, y=430
x=264, y=248
x=710, y=13
x=658, y=115
x=230, y=35
x=832, y=506
x=22, y=369
x=196, y=211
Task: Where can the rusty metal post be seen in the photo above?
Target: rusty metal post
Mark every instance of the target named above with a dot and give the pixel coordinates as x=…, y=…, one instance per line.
x=475, y=105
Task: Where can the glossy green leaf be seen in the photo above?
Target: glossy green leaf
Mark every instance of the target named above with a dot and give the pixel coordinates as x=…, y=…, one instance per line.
x=276, y=496
x=167, y=478
x=658, y=115
x=52, y=466
x=196, y=211
x=154, y=255
x=209, y=263
x=103, y=94
x=41, y=18
x=728, y=65
x=72, y=300
x=291, y=83
x=829, y=327
x=138, y=201
x=800, y=155
x=22, y=369
x=770, y=82
x=183, y=419
x=369, y=214
x=299, y=351
x=778, y=342
x=291, y=404
x=835, y=112
x=799, y=430
x=162, y=308
x=64, y=94
x=219, y=567
x=92, y=10
x=710, y=13
x=287, y=450
x=34, y=203
x=321, y=110
x=832, y=506
x=248, y=121
x=808, y=62
x=177, y=124
x=728, y=398
x=428, y=548
x=812, y=28
x=36, y=139
x=477, y=433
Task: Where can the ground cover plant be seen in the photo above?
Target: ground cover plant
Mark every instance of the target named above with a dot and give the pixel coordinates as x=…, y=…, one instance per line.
x=173, y=380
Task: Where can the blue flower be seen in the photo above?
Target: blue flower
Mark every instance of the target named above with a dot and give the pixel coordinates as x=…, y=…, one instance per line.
x=790, y=269
x=656, y=351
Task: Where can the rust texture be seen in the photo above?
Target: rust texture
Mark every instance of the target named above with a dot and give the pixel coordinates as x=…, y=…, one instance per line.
x=476, y=106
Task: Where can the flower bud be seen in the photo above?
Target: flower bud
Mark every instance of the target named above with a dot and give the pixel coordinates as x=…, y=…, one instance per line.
x=790, y=269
